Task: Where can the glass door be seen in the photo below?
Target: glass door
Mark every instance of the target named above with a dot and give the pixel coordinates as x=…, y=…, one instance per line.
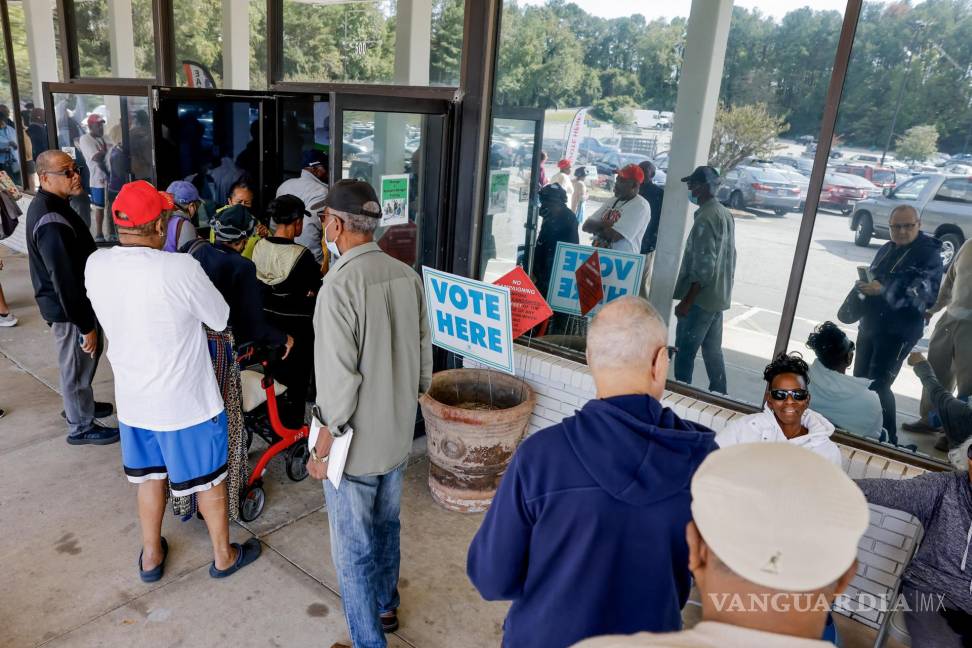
x=401, y=148
x=510, y=217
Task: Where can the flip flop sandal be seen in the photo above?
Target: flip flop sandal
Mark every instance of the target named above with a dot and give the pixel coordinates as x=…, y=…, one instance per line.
x=246, y=553
x=153, y=575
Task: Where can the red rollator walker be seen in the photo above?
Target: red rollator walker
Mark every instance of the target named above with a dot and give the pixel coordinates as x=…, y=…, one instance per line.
x=262, y=418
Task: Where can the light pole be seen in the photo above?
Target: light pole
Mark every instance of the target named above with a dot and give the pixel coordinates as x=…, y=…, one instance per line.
x=918, y=26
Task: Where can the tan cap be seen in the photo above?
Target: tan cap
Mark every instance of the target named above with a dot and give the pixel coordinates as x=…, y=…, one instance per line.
x=779, y=515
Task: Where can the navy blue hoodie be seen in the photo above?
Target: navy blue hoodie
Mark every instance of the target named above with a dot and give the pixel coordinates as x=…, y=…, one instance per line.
x=587, y=531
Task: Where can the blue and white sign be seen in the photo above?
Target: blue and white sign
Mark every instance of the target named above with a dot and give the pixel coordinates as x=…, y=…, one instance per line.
x=621, y=274
x=470, y=318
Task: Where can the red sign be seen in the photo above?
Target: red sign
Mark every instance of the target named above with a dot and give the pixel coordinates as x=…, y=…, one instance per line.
x=590, y=291
x=527, y=306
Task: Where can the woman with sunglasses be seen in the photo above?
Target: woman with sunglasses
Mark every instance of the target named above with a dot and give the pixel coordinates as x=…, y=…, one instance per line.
x=787, y=416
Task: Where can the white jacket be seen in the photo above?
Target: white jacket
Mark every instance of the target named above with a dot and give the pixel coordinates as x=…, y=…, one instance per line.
x=763, y=427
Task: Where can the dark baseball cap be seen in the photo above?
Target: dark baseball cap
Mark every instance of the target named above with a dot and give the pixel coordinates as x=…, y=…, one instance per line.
x=286, y=209
x=703, y=174
x=233, y=223
x=314, y=157
x=353, y=197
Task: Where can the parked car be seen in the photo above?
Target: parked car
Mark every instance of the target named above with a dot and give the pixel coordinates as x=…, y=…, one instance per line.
x=787, y=160
x=591, y=149
x=759, y=187
x=610, y=164
x=661, y=161
x=799, y=179
x=943, y=201
x=842, y=191
x=881, y=176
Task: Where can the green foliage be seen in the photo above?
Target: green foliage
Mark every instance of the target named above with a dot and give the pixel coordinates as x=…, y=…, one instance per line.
x=616, y=110
x=919, y=143
x=742, y=132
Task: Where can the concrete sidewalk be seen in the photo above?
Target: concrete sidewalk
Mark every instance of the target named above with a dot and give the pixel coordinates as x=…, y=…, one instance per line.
x=70, y=541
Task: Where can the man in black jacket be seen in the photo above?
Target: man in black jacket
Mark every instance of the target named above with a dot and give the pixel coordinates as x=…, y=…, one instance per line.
x=655, y=195
x=907, y=272
x=59, y=244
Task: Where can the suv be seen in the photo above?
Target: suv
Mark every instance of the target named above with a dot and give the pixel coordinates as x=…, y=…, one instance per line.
x=944, y=203
x=880, y=176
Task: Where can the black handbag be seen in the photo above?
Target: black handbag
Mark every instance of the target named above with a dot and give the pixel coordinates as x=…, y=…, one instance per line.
x=852, y=309
x=9, y=215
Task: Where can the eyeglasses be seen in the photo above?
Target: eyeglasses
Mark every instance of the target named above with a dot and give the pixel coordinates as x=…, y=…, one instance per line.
x=798, y=395
x=904, y=227
x=67, y=173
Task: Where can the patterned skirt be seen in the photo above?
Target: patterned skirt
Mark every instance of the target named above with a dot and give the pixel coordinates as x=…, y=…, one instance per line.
x=237, y=466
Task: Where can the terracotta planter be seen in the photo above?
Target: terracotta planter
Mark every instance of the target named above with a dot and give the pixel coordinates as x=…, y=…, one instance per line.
x=470, y=448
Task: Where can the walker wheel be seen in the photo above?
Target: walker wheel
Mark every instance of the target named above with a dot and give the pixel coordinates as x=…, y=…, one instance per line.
x=252, y=502
x=297, y=457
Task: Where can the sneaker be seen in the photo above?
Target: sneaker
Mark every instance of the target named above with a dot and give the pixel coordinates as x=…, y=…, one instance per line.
x=2, y=413
x=389, y=621
x=95, y=435
x=8, y=319
x=102, y=410
x=942, y=444
x=100, y=238
x=919, y=427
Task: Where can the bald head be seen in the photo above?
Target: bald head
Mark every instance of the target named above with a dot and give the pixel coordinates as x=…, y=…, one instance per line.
x=51, y=160
x=626, y=334
x=905, y=211
x=904, y=224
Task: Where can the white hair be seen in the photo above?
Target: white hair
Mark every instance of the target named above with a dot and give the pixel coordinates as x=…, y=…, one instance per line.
x=626, y=333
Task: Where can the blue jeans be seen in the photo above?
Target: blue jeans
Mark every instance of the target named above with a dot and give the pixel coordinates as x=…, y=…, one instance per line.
x=700, y=329
x=363, y=516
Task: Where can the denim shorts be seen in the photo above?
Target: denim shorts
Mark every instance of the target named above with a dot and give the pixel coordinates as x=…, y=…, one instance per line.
x=193, y=458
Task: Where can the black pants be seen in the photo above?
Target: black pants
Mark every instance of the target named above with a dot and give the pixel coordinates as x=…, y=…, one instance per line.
x=297, y=370
x=879, y=358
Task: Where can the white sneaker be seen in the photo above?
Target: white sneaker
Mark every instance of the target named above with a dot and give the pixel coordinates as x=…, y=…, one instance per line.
x=8, y=320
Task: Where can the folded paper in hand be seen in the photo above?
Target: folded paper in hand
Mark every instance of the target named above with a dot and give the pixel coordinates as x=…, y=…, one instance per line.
x=338, y=455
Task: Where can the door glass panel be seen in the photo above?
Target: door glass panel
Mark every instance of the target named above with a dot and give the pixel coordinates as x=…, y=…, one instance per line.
x=119, y=152
x=116, y=44
x=305, y=126
x=213, y=144
x=509, y=219
x=394, y=150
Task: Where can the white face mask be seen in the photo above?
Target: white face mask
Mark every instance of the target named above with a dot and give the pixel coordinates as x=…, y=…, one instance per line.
x=331, y=246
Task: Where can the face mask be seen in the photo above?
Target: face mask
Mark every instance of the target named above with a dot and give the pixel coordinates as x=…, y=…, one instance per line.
x=331, y=246
x=693, y=199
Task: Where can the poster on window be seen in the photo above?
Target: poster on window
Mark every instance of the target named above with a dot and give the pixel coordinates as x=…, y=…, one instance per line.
x=499, y=192
x=621, y=275
x=394, y=200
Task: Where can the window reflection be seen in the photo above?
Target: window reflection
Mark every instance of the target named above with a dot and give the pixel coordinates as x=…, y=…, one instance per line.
x=115, y=44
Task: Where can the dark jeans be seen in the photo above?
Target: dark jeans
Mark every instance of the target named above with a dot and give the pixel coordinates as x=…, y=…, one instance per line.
x=700, y=329
x=363, y=515
x=933, y=626
x=879, y=358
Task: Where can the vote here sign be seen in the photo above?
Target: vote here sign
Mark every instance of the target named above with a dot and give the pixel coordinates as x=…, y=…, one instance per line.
x=470, y=318
x=621, y=274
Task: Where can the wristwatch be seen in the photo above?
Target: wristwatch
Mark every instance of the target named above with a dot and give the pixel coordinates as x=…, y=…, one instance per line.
x=316, y=459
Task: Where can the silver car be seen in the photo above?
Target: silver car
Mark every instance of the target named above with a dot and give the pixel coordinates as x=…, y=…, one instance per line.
x=760, y=188
x=943, y=201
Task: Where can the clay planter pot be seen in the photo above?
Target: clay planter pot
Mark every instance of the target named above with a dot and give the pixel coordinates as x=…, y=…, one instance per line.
x=472, y=437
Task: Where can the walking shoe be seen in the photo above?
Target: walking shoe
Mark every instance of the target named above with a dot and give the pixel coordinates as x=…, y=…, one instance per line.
x=2, y=413
x=920, y=427
x=7, y=319
x=340, y=645
x=155, y=574
x=942, y=444
x=99, y=238
x=95, y=435
x=102, y=410
x=389, y=621
x=246, y=553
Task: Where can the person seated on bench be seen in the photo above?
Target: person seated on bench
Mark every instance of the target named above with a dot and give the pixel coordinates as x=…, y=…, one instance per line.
x=955, y=414
x=937, y=584
x=845, y=400
x=772, y=543
x=787, y=415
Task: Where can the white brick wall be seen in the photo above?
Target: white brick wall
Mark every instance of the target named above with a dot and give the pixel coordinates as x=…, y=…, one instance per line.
x=563, y=386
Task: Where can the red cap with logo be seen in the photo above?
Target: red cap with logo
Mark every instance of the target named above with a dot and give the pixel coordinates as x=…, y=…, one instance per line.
x=632, y=172
x=564, y=164
x=139, y=203
x=95, y=118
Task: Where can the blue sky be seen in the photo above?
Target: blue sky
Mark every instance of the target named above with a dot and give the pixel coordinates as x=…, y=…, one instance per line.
x=670, y=8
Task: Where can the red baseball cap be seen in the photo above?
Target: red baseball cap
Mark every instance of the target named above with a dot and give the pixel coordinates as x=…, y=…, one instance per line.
x=139, y=203
x=564, y=164
x=632, y=172
x=95, y=118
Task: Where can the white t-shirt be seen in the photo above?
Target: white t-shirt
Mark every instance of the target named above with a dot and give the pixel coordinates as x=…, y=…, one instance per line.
x=635, y=215
x=152, y=306
x=90, y=146
x=566, y=183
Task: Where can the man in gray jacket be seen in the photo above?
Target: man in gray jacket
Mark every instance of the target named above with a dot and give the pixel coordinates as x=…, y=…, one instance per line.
x=937, y=585
x=372, y=358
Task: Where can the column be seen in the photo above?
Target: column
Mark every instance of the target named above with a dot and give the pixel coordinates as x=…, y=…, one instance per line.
x=41, y=46
x=121, y=38
x=695, y=110
x=236, y=44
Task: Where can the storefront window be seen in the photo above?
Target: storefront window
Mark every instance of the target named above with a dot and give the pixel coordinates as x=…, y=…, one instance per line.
x=115, y=38
x=11, y=151
x=403, y=42
x=205, y=57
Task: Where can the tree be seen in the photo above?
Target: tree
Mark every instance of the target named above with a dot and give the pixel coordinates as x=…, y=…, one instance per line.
x=918, y=143
x=617, y=110
x=742, y=132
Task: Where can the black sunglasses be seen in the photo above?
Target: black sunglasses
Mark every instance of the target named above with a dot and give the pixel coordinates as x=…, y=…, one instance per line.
x=67, y=173
x=797, y=394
